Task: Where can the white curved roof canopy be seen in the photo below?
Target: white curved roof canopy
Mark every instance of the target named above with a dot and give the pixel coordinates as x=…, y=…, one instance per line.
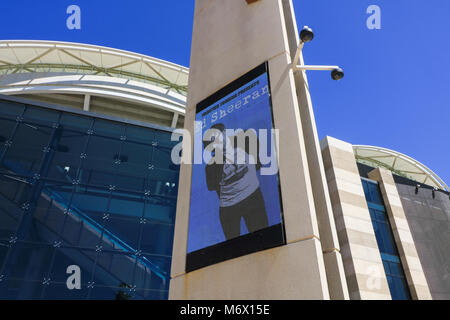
x=119, y=82
x=399, y=164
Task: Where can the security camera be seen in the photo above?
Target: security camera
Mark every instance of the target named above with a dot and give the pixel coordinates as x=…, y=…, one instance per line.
x=306, y=35
x=337, y=74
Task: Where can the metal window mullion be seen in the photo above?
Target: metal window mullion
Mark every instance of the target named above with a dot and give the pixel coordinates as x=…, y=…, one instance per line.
x=25, y=219
x=94, y=267
x=49, y=270
x=98, y=248
x=13, y=134
x=36, y=190
x=74, y=188
x=47, y=212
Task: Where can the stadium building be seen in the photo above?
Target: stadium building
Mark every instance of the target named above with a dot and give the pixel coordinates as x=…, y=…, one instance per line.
x=87, y=181
x=393, y=212
x=86, y=176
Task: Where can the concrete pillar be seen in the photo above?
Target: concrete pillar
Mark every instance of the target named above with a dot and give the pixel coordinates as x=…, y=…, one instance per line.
x=175, y=120
x=87, y=102
x=363, y=266
x=327, y=228
x=229, y=39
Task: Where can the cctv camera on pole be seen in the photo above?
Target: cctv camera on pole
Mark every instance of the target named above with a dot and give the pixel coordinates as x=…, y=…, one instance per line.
x=307, y=35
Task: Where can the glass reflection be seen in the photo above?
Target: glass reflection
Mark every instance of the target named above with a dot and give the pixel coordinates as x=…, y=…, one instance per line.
x=78, y=190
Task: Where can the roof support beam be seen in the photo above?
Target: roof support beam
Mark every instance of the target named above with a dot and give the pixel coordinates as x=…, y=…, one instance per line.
x=77, y=58
x=124, y=65
x=39, y=56
x=175, y=120
x=396, y=167
x=88, y=69
x=162, y=77
x=87, y=102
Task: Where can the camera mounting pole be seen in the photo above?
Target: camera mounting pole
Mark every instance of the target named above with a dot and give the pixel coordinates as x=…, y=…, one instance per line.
x=307, y=35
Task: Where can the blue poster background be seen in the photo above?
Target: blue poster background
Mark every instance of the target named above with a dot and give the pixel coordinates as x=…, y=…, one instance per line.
x=250, y=108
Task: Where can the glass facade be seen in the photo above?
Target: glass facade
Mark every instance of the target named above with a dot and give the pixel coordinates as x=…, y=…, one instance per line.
x=81, y=190
x=386, y=242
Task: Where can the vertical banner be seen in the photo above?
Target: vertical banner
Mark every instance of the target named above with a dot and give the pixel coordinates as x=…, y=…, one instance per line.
x=235, y=206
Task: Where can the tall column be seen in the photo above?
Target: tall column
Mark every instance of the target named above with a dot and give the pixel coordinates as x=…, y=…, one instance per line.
x=87, y=102
x=229, y=39
x=362, y=260
x=327, y=228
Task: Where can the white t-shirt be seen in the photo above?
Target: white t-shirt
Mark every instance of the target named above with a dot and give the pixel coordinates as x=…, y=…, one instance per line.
x=239, y=179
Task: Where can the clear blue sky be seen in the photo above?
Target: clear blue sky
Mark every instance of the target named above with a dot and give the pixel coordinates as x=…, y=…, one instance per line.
x=395, y=94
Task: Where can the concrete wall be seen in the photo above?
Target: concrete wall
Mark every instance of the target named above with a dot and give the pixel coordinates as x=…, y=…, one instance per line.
x=363, y=266
x=429, y=222
x=229, y=39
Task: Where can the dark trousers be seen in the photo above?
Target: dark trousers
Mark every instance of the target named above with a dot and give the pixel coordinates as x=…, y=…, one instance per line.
x=252, y=209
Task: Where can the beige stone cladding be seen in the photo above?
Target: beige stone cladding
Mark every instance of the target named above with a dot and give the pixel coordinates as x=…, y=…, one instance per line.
x=363, y=266
x=229, y=39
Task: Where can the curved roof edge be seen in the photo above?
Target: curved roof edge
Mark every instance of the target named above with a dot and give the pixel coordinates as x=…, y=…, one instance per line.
x=399, y=164
x=22, y=56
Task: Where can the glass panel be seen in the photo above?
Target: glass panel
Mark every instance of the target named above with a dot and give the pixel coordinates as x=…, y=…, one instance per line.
x=151, y=295
x=115, y=269
x=28, y=262
x=109, y=129
x=18, y=289
x=163, y=139
x=134, y=166
x=374, y=194
x=57, y=291
x=160, y=267
x=41, y=116
x=389, y=245
x=365, y=185
x=65, y=257
x=398, y=291
x=75, y=122
x=67, y=156
x=108, y=293
x=97, y=194
x=98, y=165
x=378, y=236
x=6, y=130
x=404, y=288
x=371, y=191
x=14, y=197
x=128, y=179
x=395, y=269
x=11, y=110
x=162, y=158
x=26, y=152
x=381, y=216
x=139, y=134
x=386, y=267
x=126, y=233
x=126, y=205
x=92, y=202
x=138, y=154
x=4, y=248
x=157, y=239
x=104, y=149
x=157, y=210
x=386, y=243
